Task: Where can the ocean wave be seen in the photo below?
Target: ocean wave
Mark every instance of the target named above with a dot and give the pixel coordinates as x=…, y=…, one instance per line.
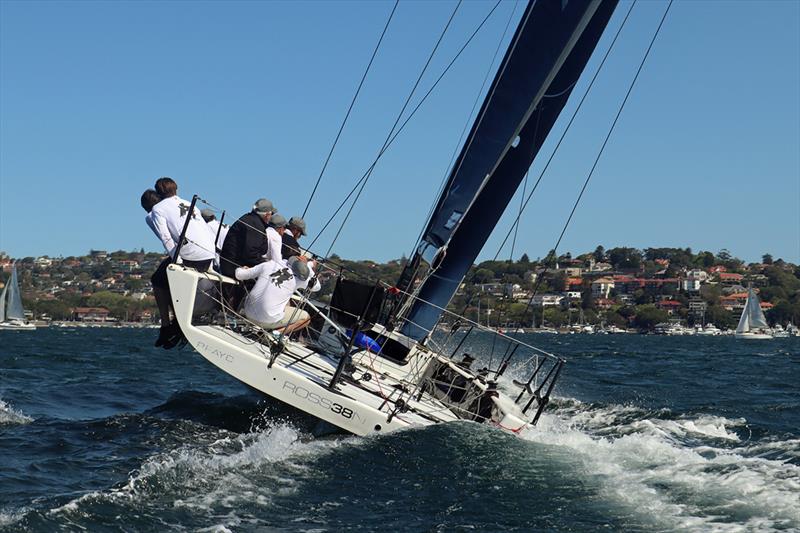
x=10, y=416
x=10, y=517
x=236, y=470
x=648, y=466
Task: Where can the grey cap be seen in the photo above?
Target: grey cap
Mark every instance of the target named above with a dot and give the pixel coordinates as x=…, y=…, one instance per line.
x=299, y=268
x=277, y=221
x=264, y=206
x=298, y=223
x=208, y=214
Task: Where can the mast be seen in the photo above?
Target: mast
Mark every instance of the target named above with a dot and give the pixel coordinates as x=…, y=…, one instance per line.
x=548, y=52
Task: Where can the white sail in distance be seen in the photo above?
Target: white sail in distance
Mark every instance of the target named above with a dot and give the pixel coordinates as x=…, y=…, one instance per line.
x=14, y=307
x=752, y=315
x=3, y=303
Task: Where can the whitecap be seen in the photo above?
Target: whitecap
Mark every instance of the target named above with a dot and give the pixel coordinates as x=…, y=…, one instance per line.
x=10, y=517
x=646, y=468
x=10, y=416
x=247, y=469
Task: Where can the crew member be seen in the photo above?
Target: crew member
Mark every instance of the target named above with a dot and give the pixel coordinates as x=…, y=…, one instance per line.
x=246, y=242
x=159, y=278
x=275, y=230
x=294, y=229
x=167, y=217
x=267, y=303
x=217, y=228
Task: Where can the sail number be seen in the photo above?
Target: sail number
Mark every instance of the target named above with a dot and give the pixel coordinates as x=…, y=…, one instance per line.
x=322, y=401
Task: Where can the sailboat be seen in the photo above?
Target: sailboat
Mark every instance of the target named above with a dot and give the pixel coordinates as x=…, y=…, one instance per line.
x=405, y=374
x=753, y=323
x=12, y=315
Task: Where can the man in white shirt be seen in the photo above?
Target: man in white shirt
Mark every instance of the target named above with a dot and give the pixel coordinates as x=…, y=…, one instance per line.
x=267, y=303
x=169, y=336
x=275, y=229
x=167, y=218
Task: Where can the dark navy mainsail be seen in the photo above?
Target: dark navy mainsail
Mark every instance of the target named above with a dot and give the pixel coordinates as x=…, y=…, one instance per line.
x=548, y=52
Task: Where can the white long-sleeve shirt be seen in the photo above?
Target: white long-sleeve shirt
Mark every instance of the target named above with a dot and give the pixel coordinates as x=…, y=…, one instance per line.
x=274, y=287
x=168, y=217
x=215, y=226
x=275, y=244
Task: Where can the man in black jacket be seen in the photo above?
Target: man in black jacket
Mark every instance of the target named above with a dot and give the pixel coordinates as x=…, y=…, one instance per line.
x=246, y=243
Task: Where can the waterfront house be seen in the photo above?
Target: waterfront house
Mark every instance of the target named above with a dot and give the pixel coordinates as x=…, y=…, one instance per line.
x=547, y=300
x=90, y=314
x=730, y=278
x=601, y=288
x=670, y=306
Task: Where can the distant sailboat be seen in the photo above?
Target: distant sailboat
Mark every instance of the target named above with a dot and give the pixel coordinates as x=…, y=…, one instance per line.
x=753, y=323
x=12, y=315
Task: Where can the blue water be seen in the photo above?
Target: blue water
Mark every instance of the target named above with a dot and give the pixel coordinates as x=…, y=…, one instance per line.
x=101, y=432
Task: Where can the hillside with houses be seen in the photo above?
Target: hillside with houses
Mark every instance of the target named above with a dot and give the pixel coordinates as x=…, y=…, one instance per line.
x=629, y=288
x=622, y=287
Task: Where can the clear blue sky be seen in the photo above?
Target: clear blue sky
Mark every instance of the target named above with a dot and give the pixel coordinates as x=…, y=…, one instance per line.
x=238, y=100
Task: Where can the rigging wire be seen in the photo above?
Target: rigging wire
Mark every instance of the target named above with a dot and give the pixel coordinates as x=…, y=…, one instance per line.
x=406, y=121
x=394, y=126
x=349, y=109
x=552, y=254
x=519, y=216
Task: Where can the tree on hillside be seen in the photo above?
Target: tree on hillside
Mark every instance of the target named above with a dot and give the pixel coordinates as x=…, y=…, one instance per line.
x=647, y=316
x=704, y=259
x=599, y=254
x=483, y=275
x=784, y=313
x=615, y=319
x=720, y=317
x=623, y=257
x=524, y=259
x=766, y=259
x=555, y=317
x=550, y=260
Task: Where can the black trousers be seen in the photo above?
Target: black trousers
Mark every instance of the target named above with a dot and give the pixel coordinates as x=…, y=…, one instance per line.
x=159, y=277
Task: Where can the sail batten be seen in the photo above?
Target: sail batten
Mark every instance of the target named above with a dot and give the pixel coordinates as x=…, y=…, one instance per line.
x=550, y=49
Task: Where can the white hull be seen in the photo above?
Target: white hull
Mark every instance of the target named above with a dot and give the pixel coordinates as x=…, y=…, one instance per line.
x=300, y=376
x=16, y=326
x=753, y=336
